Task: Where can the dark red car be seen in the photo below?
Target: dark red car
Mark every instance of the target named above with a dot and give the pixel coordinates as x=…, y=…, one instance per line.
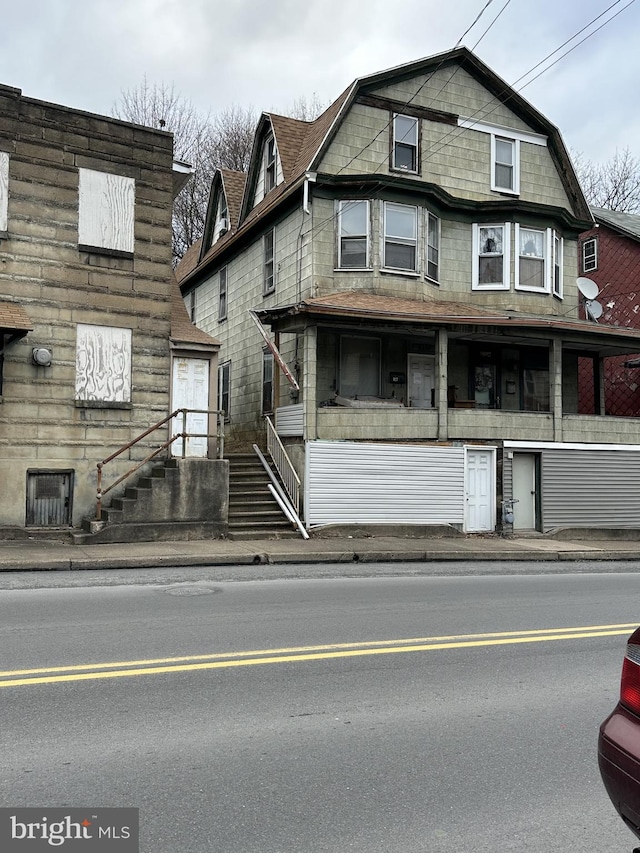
x=619, y=742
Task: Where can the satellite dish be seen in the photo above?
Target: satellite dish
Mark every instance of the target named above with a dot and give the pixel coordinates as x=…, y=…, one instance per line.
x=587, y=287
x=594, y=309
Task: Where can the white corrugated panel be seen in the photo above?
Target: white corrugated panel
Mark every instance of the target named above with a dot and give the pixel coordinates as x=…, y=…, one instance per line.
x=290, y=420
x=354, y=483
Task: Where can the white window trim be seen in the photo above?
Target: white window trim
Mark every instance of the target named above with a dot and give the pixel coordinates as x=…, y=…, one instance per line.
x=558, y=291
x=515, y=190
x=547, y=273
x=400, y=270
x=428, y=217
x=270, y=138
x=394, y=165
x=342, y=203
x=506, y=132
x=593, y=268
x=506, y=257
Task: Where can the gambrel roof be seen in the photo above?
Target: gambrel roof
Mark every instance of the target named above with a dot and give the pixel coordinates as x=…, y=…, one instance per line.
x=302, y=145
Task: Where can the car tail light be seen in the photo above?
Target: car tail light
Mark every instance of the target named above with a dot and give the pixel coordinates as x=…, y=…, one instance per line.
x=630, y=683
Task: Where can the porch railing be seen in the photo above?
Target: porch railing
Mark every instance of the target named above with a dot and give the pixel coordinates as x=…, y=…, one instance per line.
x=283, y=465
x=184, y=435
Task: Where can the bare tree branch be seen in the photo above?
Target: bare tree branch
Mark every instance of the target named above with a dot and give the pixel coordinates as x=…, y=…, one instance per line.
x=613, y=185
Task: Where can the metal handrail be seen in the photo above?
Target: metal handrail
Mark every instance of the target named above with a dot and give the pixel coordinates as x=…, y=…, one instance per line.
x=283, y=465
x=184, y=435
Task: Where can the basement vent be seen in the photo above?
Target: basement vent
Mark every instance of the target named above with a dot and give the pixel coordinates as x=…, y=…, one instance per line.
x=49, y=498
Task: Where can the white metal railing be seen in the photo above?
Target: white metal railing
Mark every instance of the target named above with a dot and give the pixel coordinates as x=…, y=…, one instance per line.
x=283, y=465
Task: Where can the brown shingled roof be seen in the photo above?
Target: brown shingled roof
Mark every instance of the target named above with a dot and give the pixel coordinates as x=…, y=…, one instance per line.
x=13, y=318
x=233, y=184
x=182, y=329
x=290, y=134
x=189, y=260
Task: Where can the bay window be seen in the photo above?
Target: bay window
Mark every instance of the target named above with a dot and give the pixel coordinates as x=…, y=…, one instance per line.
x=354, y=235
x=400, y=236
x=490, y=262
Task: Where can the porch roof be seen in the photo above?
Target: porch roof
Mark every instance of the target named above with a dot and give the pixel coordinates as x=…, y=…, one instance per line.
x=359, y=305
x=14, y=320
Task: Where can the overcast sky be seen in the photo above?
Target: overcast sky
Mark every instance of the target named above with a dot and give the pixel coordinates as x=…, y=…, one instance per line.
x=83, y=53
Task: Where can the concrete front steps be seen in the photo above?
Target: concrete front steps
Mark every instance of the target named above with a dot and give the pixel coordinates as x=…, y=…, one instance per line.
x=253, y=511
x=179, y=499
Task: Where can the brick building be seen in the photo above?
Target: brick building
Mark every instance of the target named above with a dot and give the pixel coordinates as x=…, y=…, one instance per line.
x=610, y=256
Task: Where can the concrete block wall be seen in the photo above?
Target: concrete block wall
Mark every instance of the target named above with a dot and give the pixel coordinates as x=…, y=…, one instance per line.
x=59, y=286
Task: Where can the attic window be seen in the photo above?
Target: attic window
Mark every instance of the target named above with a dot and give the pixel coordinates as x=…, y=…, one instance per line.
x=222, y=218
x=505, y=171
x=269, y=164
x=405, y=144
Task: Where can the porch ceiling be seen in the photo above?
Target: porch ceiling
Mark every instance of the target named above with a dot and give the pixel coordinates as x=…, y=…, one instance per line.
x=14, y=320
x=496, y=324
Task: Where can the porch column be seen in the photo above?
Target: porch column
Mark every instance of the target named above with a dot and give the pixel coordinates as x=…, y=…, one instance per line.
x=309, y=383
x=555, y=378
x=442, y=345
x=276, y=379
x=599, y=390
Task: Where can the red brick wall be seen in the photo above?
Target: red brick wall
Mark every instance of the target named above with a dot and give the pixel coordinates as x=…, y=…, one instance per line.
x=618, y=277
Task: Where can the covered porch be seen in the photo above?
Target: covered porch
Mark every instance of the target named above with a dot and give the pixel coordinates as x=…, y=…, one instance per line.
x=382, y=368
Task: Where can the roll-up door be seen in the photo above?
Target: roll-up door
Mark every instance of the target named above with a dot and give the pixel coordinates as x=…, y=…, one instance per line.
x=362, y=483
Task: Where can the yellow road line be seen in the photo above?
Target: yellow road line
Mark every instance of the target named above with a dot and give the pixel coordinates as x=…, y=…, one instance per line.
x=84, y=672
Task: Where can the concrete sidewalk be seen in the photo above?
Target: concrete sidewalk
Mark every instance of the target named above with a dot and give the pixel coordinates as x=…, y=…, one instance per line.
x=34, y=555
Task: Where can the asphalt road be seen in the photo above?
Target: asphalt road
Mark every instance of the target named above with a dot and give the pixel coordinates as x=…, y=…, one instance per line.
x=413, y=730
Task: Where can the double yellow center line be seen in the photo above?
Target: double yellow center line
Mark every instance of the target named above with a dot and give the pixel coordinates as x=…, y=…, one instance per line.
x=225, y=660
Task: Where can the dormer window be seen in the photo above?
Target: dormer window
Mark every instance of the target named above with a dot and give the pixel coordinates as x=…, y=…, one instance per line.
x=404, y=156
x=269, y=164
x=222, y=218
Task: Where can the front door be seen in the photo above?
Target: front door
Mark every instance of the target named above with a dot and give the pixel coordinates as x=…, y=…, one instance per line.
x=190, y=390
x=524, y=491
x=421, y=381
x=480, y=489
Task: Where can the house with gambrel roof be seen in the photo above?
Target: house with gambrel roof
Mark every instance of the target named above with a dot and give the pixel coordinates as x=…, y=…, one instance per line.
x=413, y=254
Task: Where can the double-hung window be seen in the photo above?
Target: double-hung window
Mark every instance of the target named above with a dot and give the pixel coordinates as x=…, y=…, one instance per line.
x=269, y=283
x=556, y=264
x=400, y=237
x=222, y=294
x=267, y=383
x=433, y=247
x=491, y=259
x=533, y=255
x=505, y=159
x=224, y=389
x=590, y=255
x=404, y=155
x=353, y=230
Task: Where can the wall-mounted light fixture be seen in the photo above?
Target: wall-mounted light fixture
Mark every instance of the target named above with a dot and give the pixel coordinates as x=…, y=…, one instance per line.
x=41, y=356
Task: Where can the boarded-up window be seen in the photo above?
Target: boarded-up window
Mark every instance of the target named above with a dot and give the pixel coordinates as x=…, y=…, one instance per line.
x=106, y=211
x=103, y=364
x=4, y=189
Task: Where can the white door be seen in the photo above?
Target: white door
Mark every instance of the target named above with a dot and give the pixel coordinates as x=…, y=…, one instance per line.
x=524, y=491
x=190, y=390
x=421, y=381
x=480, y=488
